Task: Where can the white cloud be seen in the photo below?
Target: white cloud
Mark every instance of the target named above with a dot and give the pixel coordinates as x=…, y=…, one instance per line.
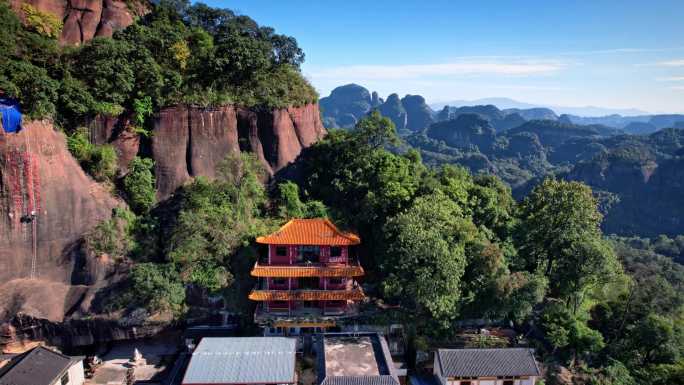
x=677, y=88
x=414, y=71
x=672, y=63
x=671, y=79
x=609, y=51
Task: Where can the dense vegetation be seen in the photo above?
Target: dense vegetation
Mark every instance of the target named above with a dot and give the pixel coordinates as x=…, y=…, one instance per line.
x=176, y=53
x=447, y=246
x=626, y=172
x=441, y=246
x=524, y=146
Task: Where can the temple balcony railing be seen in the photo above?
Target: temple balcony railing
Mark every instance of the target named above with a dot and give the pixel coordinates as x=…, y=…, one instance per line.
x=305, y=314
x=353, y=294
x=309, y=261
x=307, y=270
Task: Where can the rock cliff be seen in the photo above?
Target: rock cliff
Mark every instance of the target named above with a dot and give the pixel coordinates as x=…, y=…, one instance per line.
x=191, y=141
x=86, y=19
x=649, y=193
x=47, y=204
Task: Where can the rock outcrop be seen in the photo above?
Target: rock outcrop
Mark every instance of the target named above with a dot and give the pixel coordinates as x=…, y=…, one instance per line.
x=116, y=132
x=86, y=19
x=465, y=131
x=346, y=105
x=48, y=203
x=192, y=141
x=393, y=109
x=419, y=114
x=25, y=330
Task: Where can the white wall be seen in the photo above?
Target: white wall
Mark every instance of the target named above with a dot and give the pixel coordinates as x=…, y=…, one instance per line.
x=530, y=381
x=76, y=375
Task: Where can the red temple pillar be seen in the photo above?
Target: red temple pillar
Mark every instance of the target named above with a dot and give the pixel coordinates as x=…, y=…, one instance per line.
x=325, y=287
x=289, y=303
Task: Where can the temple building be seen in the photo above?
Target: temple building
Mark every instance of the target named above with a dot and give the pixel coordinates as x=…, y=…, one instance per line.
x=306, y=279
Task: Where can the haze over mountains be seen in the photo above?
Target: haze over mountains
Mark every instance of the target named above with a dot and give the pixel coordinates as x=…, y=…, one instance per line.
x=633, y=163
x=503, y=102
x=348, y=103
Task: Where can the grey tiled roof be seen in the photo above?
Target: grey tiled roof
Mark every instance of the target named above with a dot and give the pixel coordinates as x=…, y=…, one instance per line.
x=40, y=366
x=360, y=380
x=487, y=362
x=242, y=360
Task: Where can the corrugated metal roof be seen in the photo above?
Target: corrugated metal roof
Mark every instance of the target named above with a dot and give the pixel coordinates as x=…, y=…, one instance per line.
x=40, y=366
x=360, y=380
x=307, y=271
x=317, y=231
x=487, y=362
x=242, y=360
x=307, y=295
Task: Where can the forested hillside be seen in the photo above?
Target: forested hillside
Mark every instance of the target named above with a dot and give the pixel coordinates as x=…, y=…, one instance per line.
x=636, y=177
x=442, y=244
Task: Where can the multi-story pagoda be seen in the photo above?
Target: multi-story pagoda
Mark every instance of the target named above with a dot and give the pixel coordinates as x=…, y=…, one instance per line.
x=307, y=277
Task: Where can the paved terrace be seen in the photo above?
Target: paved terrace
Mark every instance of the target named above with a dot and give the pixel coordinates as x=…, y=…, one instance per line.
x=354, y=359
x=349, y=356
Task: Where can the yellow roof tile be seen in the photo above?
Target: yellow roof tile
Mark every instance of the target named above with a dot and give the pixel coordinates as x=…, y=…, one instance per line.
x=317, y=231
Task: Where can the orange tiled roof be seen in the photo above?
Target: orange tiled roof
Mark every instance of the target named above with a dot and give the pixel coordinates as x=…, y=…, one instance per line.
x=306, y=271
x=318, y=231
x=307, y=295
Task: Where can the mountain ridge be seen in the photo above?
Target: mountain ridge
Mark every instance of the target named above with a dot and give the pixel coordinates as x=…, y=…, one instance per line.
x=506, y=103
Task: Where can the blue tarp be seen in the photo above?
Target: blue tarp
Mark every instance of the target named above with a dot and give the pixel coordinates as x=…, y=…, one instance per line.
x=11, y=115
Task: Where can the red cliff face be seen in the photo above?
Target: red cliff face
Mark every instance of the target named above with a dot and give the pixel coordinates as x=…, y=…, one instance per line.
x=85, y=19
x=191, y=141
x=115, y=132
x=47, y=203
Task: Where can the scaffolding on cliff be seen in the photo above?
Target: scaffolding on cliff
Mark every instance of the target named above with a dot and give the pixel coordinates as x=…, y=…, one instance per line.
x=22, y=180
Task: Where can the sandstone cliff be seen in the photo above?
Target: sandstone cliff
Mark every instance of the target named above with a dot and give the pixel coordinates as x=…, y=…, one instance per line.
x=47, y=203
x=85, y=19
x=192, y=141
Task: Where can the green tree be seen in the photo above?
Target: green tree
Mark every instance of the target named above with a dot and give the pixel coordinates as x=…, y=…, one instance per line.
x=375, y=131
x=157, y=287
x=425, y=258
x=215, y=219
x=31, y=85
x=666, y=374
x=569, y=333
x=10, y=27
x=559, y=234
x=139, y=184
x=616, y=373
x=113, y=237
x=104, y=65
x=100, y=161
x=291, y=206
x=657, y=340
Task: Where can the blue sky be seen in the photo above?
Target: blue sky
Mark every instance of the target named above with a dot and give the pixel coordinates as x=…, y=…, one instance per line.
x=608, y=53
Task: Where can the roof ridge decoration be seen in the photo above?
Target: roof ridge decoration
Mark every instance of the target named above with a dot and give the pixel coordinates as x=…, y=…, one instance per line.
x=310, y=231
